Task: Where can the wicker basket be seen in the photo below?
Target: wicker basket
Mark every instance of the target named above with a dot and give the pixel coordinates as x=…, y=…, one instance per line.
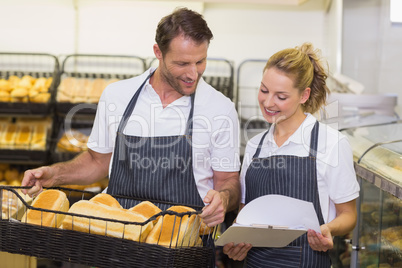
x=95, y=250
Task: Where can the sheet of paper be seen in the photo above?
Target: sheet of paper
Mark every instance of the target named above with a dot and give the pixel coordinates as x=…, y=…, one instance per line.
x=279, y=210
x=271, y=221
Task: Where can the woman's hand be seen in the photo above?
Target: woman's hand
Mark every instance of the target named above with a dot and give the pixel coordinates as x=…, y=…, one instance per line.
x=320, y=242
x=237, y=252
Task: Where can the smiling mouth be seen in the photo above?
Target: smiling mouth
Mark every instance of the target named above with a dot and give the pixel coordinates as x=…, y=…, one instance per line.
x=269, y=112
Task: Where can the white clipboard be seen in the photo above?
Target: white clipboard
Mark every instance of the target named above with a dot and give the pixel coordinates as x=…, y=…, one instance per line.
x=271, y=221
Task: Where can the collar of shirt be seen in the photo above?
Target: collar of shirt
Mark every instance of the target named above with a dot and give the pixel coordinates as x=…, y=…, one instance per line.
x=298, y=136
x=182, y=101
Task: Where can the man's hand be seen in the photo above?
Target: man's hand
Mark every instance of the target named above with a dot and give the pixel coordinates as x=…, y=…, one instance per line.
x=214, y=212
x=37, y=178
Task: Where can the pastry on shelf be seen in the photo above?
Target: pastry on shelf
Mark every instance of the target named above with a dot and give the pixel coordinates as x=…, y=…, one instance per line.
x=73, y=141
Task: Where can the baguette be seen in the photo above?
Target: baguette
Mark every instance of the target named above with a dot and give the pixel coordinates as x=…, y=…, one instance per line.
x=49, y=199
x=134, y=232
x=106, y=199
x=176, y=231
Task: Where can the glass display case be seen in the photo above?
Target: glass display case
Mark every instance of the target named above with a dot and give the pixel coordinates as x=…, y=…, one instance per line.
x=377, y=238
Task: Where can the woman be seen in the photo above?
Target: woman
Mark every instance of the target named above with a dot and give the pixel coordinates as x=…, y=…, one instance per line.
x=300, y=158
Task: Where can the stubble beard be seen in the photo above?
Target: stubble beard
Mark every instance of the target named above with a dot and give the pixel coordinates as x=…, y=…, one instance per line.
x=171, y=81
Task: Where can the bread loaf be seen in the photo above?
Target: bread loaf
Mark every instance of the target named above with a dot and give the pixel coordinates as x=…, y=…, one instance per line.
x=49, y=199
x=133, y=231
x=106, y=199
x=12, y=206
x=176, y=231
x=147, y=209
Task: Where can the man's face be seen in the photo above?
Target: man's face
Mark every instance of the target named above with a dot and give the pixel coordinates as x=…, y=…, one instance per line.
x=183, y=65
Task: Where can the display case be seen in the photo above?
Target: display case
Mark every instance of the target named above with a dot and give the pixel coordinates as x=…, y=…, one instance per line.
x=377, y=238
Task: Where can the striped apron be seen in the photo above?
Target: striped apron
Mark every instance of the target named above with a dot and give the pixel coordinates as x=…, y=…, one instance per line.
x=157, y=169
x=291, y=176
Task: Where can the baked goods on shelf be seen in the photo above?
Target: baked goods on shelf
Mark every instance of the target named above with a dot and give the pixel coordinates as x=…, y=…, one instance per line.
x=82, y=90
x=10, y=175
x=73, y=141
x=54, y=200
x=25, y=89
x=24, y=134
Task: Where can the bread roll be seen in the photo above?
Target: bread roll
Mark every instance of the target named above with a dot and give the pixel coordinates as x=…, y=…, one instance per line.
x=4, y=96
x=11, y=174
x=8, y=137
x=81, y=90
x=176, y=231
x=38, y=140
x=26, y=81
x=134, y=232
x=76, y=142
x=66, y=87
x=14, y=81
x=23, y=138
x=106, y=199
x=19, y=92
x=5, y=85
x=49, y=199
x=147, y=209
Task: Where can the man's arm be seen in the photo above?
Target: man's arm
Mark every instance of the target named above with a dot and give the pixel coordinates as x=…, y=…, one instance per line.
x=223, y=198
x=87, y=168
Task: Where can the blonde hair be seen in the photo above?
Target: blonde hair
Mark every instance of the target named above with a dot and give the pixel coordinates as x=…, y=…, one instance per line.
x=304, y=66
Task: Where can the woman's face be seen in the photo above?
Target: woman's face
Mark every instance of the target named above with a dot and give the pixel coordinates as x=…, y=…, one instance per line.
x=279, y=100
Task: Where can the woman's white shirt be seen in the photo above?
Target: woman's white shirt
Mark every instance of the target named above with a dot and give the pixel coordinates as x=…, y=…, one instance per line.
x=336, y=176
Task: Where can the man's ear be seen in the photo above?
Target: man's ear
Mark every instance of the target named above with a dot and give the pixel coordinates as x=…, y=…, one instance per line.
x=305, y=95
x=157, y=52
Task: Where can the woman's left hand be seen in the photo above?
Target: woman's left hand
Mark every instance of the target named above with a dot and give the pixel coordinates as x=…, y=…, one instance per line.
x=320, y=242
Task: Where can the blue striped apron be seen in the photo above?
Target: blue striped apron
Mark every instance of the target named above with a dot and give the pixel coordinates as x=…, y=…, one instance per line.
x=291, y=176
x=157, y=169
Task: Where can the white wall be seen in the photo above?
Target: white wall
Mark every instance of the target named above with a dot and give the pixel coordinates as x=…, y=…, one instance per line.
x=128, y=27
x=372, y=51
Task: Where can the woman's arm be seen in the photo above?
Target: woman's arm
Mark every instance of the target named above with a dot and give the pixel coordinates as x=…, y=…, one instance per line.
x=345, y=221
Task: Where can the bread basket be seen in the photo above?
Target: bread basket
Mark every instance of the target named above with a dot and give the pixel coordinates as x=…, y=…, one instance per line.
x=93, y=249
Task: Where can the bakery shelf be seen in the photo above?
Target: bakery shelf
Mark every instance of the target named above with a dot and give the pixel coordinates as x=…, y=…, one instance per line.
x=70, y=139
x=84, y=76
x=96, y=250
x=25, y=140
x=18, y=96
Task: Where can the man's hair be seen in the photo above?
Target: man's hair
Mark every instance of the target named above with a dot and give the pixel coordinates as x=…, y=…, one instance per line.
x=182, y=21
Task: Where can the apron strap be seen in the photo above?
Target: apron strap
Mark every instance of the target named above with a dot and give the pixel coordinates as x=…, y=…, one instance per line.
x=257, y=152
x=189, y=129
x=314, y=140
x=131, y=105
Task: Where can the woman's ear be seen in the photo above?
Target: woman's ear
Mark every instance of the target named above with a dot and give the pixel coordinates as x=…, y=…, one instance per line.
x=305, y=95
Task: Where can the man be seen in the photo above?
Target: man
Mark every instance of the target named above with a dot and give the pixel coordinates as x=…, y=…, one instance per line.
x=164, y=136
